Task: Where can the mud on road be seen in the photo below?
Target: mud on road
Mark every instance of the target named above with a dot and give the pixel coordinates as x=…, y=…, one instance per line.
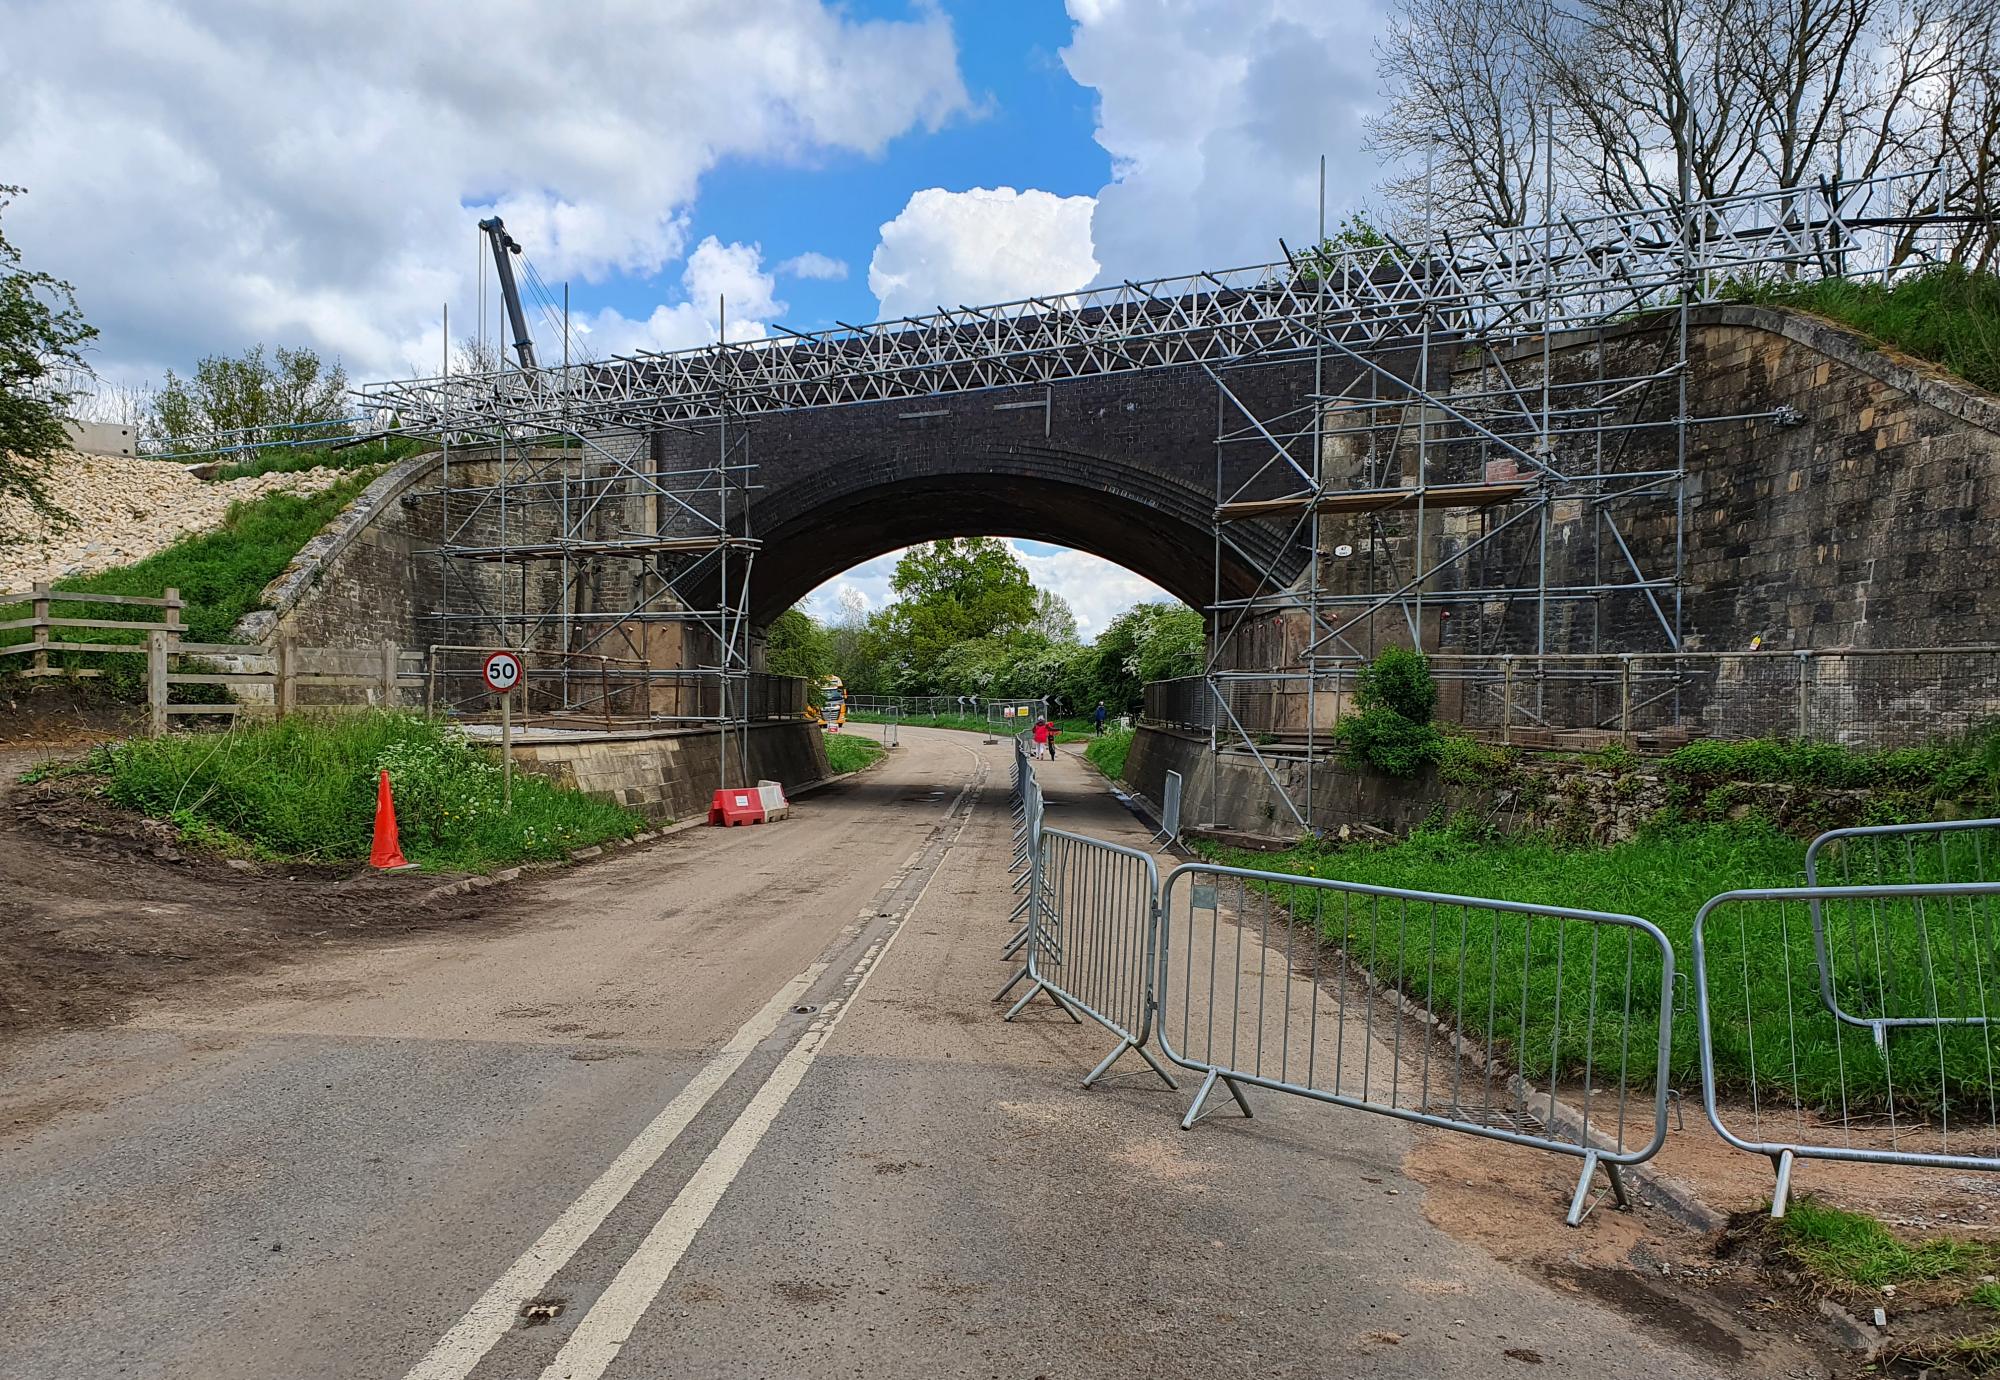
x=102, y=910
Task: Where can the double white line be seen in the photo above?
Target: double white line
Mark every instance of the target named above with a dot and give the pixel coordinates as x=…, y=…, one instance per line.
x=605, y=1328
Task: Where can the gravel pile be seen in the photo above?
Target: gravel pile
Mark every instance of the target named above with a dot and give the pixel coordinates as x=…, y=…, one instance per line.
x=124, y=510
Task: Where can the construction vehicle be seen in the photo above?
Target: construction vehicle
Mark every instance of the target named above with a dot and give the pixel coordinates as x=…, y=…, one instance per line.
x=831, y=711
x=503, y=245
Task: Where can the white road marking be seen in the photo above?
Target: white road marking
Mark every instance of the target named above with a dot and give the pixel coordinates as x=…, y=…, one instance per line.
x=462, y=1348
x=608, y=1325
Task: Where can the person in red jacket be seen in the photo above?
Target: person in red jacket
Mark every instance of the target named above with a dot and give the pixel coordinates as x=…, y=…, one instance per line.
x=1044, y=739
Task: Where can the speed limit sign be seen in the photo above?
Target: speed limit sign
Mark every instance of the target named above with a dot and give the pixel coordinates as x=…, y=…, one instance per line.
x=502, y=671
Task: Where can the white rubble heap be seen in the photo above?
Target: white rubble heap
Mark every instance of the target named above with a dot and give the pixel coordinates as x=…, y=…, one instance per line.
x=124, y=510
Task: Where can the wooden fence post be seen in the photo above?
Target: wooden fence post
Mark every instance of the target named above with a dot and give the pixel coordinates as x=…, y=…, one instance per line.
x=156, y=682
x=41, y=667
x=391, y=663
x=175, y=627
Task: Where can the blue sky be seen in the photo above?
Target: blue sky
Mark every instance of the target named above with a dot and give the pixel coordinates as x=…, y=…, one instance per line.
x=312, y=175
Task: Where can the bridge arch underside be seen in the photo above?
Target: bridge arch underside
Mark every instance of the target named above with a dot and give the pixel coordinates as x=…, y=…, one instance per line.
x=859, y=508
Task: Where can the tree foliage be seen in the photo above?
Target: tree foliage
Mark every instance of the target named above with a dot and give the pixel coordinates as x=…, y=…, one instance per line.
x=901, y=650
x=795, y=645
x=42, y=373
x=954, y=591
x=257, y=396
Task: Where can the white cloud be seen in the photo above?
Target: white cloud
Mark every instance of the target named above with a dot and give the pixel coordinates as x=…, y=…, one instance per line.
x=717, y=276
x=1095, y=590
x=813, y=264
x=1215, y=116
x=984, y=245
x=211, y=174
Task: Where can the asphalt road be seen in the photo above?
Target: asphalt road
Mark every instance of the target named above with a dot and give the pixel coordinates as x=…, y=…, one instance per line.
x=735, y=1106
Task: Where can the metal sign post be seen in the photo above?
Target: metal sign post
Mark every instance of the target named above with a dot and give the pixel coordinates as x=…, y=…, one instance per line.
x=503, y=672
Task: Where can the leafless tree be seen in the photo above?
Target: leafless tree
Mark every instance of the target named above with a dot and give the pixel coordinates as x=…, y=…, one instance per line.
x=1466, y=114
x=1638, y=104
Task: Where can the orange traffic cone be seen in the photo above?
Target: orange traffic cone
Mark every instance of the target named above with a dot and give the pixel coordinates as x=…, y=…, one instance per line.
x=387, y=853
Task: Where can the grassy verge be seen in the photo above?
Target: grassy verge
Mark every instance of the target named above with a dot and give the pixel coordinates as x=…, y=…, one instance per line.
x=847, y=752
x=1769, y=1030
x=1108, y=752
x=1847, y=1248
x=304, y=787
x=221, y=575
x=1948, y=315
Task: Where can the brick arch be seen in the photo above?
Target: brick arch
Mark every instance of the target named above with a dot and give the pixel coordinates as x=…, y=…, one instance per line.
x=1122, y=466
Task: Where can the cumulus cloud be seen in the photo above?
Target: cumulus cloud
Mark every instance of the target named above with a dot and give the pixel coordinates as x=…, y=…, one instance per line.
x=984, y=245
x=813, y=264
x=723, y=283
x=211, y=174
x=1215, y=116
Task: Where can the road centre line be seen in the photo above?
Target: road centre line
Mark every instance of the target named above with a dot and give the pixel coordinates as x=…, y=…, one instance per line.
x=489, y=1319
x=493, y=1315
x=609, y=1324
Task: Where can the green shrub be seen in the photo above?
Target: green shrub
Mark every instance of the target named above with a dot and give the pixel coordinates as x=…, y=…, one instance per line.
x=1465, y=761
x=1390, y=728
x=1400, y=679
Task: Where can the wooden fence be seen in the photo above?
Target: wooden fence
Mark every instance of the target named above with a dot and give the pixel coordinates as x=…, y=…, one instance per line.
x=281, y=677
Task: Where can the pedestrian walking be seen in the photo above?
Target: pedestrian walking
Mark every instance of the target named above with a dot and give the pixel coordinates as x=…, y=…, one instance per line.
x=1045, y=739
x=1099, y=714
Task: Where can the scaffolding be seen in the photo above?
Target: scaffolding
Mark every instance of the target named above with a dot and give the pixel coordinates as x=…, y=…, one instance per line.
x=1468, y=394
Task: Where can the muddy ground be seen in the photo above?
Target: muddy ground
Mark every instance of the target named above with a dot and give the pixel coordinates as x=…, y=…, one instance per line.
x=101, y=910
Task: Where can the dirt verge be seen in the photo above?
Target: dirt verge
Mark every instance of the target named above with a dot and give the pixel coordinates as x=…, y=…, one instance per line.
x=102, y=909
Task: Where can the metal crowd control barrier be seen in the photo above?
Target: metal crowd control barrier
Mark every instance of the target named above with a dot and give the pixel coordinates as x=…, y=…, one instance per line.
x=1310, y=986
x=1788, y=979
x=1960, y=850
x=1169, y=831
x=1091, y=939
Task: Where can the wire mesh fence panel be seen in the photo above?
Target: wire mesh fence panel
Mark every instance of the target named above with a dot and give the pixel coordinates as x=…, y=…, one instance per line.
x=1852, y=1023
x=1892, y=698
x=1181, y=703
x=1542, y=1026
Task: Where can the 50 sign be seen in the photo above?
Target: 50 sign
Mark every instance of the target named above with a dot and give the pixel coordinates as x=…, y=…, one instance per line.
x=502, y=672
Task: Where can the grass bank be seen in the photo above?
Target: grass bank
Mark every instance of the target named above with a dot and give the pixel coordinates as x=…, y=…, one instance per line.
x=1108, y=751
x=221, y=575
x=1761, y=957
x=847, y=752
x=1948, y=315
x=304, y=787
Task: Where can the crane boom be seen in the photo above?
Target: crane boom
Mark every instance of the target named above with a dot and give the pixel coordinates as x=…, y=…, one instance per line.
x=504, y=244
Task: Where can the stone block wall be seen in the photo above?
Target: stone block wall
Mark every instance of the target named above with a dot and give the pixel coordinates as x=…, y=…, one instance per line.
x=672, y=776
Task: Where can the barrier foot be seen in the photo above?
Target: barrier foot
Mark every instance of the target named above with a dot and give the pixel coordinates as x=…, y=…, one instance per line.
x=1195, y=1112
x=1041, y=986
x=1012, y=983
x=1105, y=1066
x=1579, y=1204
x=1580, y=1200
x=1782, y=1161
